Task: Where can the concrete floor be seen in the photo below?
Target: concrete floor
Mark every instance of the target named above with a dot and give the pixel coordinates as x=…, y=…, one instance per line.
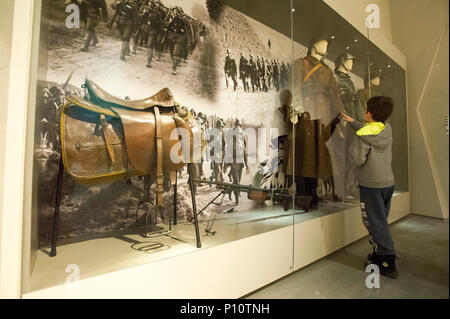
x=422, y=244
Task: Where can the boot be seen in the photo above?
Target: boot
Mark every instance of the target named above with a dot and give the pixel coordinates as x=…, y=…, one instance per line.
x=87, y=43
x=94, y=39
x=149, y=57
x=158, y=55
x=386, y=264
x=123, y=50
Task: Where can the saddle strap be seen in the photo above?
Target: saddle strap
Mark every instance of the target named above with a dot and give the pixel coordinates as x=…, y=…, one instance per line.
x=109, y=146
x=159, y=158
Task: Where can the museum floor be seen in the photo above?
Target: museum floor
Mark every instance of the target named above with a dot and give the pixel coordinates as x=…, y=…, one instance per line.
x=422, y=244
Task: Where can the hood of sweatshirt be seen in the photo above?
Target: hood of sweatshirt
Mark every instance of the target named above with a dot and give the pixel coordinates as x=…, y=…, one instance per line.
x=376, y=134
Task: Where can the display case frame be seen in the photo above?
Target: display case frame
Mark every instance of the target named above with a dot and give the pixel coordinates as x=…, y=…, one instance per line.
x=329, y=233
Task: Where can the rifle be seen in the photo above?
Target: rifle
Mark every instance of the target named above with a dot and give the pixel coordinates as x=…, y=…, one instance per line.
x=278, y=196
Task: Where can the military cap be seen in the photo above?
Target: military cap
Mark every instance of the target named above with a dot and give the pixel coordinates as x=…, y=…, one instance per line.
x=340, y=60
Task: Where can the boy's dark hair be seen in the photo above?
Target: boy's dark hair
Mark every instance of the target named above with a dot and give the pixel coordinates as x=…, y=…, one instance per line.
x=380, y=107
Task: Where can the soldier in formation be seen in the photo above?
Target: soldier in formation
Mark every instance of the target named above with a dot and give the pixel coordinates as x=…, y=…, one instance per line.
x=243, y=72
x=262, y=74
x=158, y=28
x=230, y=70
x=217, y=152
x=91, y=12
x=126, y=18
x=236, y=154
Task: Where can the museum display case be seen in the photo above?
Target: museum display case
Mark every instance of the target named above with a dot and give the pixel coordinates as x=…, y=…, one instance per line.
x=108, y=193
x=170, y=131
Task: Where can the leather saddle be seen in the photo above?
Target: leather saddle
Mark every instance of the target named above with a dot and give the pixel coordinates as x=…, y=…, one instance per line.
x=163, y=98
x=105, y=138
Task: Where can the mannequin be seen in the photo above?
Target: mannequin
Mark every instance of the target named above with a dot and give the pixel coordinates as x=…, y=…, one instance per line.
x=318, y=51
x=372, y=87
x=345, y=177
x=376, y=81
x=314, y=112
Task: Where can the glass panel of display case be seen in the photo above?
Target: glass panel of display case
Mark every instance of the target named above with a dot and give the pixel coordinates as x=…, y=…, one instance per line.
x=386, y=77
x=330, y=62
x=160, y=125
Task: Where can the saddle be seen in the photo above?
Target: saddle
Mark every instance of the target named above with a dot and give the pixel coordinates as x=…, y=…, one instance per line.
x=105, y=138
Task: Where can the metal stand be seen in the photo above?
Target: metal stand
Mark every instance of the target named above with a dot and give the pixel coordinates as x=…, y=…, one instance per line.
x=211, y=222
x=194, y=204
x=209, y=203
x=175, y=199
x=57, y=206
x=146, y=201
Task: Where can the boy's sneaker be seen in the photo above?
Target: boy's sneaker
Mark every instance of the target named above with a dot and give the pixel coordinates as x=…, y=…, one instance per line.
x=386, y=264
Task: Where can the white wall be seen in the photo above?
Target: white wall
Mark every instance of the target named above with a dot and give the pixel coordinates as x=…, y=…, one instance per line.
x=6, y=14
x=356, y=9
x=13, y=149
x=420, y=30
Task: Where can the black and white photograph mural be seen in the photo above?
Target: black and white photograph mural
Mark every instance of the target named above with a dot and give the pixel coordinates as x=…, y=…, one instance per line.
x=225, y=68
x=228, y=71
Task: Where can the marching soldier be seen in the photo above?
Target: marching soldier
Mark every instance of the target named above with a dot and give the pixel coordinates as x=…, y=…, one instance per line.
x=269, y=74
x=258, y=78
x=90, y=14
x=236, y=154
x=262, y=75
x=252, y=72
x=155, y=29
x=276, y=75
x=126, y=23
x=243, y=72
x=230, y=69
x=141, y=35
x=177, y=39
x=202, y=120
x=216, y=158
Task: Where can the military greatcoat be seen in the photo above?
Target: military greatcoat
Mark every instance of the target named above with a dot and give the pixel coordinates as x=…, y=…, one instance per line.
x=315, y=91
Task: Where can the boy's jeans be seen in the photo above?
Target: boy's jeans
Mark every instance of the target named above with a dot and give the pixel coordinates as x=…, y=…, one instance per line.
x=375, y=206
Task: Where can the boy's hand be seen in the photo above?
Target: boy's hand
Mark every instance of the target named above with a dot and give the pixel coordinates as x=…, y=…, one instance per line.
x=347, y=118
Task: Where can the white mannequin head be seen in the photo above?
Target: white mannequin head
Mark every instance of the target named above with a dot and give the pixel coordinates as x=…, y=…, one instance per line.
x=348, y=64
x=375, y=81
x=319, y=48
x=346, y=67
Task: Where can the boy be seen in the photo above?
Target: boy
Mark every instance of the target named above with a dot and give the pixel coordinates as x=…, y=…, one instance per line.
x=371, y=151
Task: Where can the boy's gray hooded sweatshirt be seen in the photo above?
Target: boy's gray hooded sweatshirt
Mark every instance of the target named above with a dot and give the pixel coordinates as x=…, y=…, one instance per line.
x=372, y=154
